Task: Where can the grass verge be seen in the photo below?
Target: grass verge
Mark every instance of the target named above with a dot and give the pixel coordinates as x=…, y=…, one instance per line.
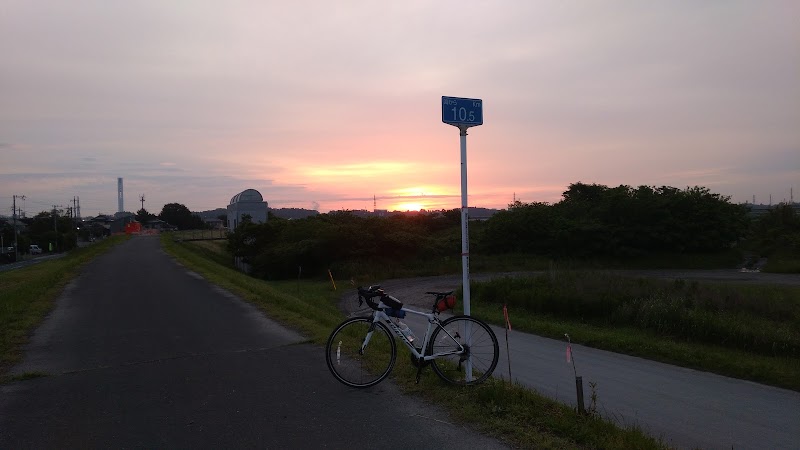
x=507, y=411
x=772, y=370
x=742, y=331
x=29, y=293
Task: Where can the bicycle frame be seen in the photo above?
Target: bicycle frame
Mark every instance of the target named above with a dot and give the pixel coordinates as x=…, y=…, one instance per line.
x=433, y=321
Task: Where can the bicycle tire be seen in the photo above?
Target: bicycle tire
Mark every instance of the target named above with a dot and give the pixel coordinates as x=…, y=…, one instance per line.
x=348, y=364
x=483, y=350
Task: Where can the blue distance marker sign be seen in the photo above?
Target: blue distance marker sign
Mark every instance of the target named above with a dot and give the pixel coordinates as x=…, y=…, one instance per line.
x=462, y=111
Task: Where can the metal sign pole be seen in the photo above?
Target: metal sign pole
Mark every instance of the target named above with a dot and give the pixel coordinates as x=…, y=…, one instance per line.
x=465, y=247
x=464, y=221
x=464, y=113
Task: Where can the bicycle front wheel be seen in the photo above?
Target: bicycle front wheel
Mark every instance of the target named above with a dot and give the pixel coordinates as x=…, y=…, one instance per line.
x=357, y=367
x=480, y=352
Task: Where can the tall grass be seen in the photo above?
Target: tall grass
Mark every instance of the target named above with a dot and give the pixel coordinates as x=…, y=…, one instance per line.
x=760, y=319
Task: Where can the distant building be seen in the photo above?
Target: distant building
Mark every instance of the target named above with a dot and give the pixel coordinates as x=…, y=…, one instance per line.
x=759, y=210
x=246, y=203
x=102, y=225
x=158, y=224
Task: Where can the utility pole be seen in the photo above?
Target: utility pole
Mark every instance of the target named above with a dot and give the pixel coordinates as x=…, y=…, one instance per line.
x=14, y=214
x=55, y=221
x=55, y=215
x=75, y=217
x=141, y=197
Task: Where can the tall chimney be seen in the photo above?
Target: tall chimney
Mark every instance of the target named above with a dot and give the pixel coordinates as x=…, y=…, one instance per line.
x=120, y=206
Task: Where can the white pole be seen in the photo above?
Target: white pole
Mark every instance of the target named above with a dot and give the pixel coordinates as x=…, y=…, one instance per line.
x=464, y=221
x=465, y=247
x=464, y=113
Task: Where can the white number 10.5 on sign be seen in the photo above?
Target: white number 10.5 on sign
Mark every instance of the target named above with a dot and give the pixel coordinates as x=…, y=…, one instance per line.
x=462, y=111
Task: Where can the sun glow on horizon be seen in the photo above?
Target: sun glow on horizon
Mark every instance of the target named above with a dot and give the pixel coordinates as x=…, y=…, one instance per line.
x=417, y=198
x=408, y=206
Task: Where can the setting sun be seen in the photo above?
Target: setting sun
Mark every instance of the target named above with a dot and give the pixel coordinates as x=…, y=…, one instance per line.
x=408, y=206
x=419, y=197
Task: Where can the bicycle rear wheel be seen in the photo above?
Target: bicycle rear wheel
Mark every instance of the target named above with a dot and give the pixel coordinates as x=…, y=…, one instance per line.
x=354, y=367
x=480, y=354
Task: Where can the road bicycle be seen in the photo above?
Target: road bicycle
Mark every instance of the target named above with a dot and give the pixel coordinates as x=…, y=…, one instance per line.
x=361, y=351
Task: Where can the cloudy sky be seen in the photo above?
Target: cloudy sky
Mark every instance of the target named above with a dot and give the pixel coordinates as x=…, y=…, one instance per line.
x=325, y=105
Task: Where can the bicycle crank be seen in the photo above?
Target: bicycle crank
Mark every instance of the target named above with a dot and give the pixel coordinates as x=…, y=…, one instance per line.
x=418, y=362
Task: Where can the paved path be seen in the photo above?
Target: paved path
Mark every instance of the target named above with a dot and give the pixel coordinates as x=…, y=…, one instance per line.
x=141, y=353
x=686, y=408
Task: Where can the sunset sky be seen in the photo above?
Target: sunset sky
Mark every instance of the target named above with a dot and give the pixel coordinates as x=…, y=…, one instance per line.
x=323, y=105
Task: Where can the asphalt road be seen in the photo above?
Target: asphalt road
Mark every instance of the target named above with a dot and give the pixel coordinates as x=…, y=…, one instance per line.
x=141, y=353
x=685, y=408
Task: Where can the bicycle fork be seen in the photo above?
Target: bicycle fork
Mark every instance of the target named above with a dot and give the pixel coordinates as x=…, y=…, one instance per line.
x=366, y=339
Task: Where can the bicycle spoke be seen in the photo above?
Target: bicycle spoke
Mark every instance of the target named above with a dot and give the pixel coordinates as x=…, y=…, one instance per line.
x=355, y=366
x=480, y=350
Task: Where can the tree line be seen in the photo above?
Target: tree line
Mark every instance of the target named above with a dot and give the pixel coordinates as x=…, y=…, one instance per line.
x=281, y=248
x=595, y=220
x=591, y=221
x=47, y=229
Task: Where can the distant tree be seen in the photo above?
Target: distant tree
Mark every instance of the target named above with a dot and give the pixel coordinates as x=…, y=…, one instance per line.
x=143, y=216
x=523, y=227
x=45, y=229
x=777, y=231
x=97, y=230
x=595, y=220
x=7, y=232
x=277, y=248
x=40, y=223
x=179, y=215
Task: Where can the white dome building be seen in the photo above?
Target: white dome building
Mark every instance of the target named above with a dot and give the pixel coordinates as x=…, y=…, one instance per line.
x=248, y=202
